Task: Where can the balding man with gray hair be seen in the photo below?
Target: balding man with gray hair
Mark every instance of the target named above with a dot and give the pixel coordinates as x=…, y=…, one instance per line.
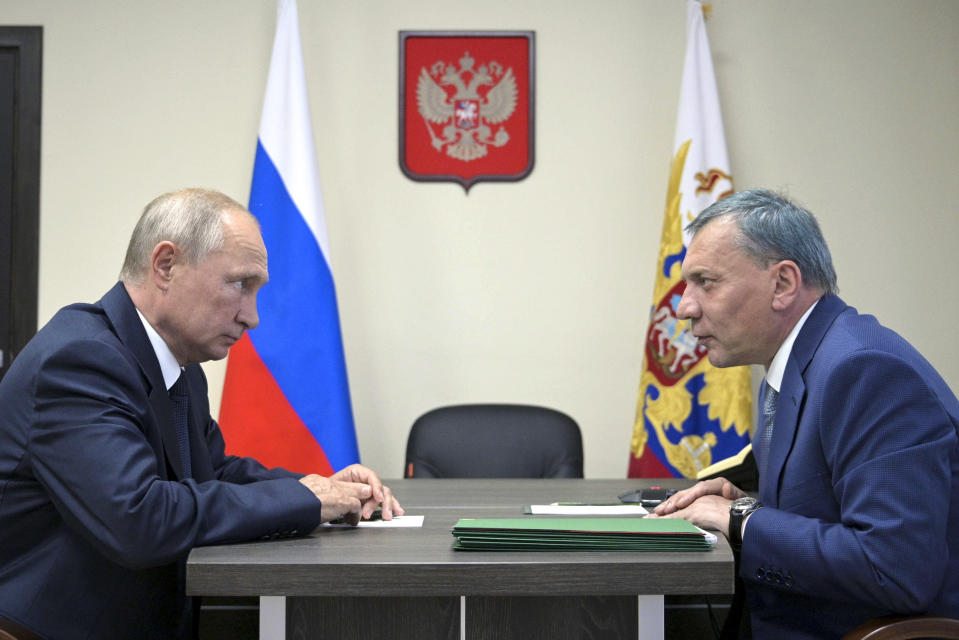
x=111, y=467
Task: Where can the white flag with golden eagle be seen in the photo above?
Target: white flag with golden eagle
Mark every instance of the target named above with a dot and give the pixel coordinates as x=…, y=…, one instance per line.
x=690, y=414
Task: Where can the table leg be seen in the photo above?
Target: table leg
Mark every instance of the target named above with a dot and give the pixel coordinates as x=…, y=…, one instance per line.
x=651, y=619
x=272, y=618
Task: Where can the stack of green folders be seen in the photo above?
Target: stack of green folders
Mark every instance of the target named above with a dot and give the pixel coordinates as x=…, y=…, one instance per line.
x=579, y=534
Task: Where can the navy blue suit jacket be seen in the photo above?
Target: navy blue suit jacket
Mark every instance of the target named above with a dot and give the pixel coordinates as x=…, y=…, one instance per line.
x=861, y=494
x=95, y=519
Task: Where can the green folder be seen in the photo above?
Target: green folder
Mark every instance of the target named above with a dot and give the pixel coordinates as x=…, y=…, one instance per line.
x=578, y=534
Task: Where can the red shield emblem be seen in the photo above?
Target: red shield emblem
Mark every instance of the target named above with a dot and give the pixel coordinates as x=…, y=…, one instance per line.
x=466, y=106
x=671, y=348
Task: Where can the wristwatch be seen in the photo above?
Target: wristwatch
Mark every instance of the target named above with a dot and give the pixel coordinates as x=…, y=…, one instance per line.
x=738, y=510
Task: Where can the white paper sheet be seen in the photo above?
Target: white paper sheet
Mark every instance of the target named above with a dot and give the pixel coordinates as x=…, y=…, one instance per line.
x=397, y=521
x=560, y=509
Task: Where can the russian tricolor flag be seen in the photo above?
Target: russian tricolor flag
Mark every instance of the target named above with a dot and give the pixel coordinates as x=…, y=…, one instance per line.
x=286, y=398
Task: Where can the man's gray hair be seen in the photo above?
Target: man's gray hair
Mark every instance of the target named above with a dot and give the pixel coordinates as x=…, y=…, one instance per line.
x=771, y=228
x=190, y=219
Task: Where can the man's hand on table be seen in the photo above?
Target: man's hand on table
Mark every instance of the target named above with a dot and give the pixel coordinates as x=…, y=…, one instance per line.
x=353, y=493
x=705, y=504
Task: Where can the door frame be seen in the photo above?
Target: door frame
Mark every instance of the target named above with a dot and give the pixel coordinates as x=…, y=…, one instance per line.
x=24, y=207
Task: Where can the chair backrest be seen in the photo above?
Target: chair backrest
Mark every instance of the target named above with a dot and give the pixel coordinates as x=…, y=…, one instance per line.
x=10, y=630
x=906, y=628
x=494, y=441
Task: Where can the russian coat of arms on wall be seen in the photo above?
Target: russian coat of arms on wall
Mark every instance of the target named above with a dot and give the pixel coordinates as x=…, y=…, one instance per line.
x=466, y=105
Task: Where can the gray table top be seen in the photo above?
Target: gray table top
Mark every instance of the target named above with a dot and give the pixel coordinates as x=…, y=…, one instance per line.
x=422, y=562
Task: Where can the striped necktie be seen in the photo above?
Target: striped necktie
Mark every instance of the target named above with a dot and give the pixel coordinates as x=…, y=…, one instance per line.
x=179, y=394
x=765, y=435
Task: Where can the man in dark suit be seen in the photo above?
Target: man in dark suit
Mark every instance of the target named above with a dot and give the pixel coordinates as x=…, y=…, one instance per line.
x=100, y=502
x=858, y=509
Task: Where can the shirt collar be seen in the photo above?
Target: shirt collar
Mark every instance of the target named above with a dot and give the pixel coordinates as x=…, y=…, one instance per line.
x=777, y=368
x=169, y=367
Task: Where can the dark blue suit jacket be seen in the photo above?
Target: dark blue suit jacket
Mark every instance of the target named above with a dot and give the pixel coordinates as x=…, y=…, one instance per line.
x=861, y=495
x=95, y=519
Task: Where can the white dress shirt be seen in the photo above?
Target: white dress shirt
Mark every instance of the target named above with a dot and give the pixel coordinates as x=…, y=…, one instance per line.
x=169, y=367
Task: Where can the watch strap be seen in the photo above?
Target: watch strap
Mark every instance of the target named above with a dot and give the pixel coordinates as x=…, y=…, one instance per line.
x=739, y=510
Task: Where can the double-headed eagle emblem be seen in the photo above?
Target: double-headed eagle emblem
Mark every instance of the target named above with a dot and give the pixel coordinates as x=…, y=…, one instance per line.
x=463, y=104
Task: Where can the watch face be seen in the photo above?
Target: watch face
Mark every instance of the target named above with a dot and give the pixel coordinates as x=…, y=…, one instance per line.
x=742, y=505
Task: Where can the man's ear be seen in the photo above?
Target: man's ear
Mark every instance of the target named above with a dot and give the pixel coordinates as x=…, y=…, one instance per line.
x=788, y=284
x=164, y=256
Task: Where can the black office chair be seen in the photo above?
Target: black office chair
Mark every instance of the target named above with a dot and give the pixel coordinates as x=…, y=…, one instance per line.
x=494, y=441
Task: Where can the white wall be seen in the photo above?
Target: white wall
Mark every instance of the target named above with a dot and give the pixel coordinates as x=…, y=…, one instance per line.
x=536, y=291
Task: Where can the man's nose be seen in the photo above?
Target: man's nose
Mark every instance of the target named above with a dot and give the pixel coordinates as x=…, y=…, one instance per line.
x=687, y=308
x=248, y=315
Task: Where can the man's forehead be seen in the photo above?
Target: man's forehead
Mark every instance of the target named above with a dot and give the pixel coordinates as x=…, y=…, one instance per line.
x=719, y=235
x=239, y=221
x=712, y=246
x=242, y=229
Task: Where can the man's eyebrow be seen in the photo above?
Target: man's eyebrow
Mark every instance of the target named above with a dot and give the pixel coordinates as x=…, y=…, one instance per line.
x=248, y=275
x=698, y=273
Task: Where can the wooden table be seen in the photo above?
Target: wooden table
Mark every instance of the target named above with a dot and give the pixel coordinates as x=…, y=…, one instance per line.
x=410, y=583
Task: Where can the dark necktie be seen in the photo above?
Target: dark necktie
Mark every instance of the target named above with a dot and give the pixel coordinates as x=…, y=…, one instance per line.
x=768, y=417
x=180, y=396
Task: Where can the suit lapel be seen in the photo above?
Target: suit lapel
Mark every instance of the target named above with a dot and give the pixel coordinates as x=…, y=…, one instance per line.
x=126, y=323
x=792, y=394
